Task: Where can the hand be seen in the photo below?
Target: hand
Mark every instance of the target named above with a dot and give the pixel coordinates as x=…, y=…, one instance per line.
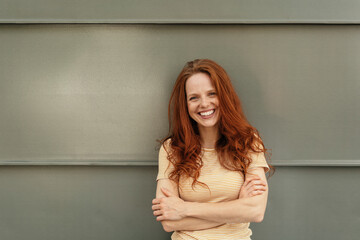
x=252, y=187
x=170, y=207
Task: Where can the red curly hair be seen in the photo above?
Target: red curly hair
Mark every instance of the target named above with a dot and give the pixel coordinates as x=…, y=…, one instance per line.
x=237, y=136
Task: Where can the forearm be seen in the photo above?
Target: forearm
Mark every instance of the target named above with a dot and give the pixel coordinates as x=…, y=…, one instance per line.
x=244, y=209
x=189, y=224
x=235, y=211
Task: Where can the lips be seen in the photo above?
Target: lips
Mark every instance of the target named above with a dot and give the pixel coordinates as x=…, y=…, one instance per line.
x=207, y=114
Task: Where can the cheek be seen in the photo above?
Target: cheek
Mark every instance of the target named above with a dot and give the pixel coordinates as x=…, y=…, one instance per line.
x=191, y=109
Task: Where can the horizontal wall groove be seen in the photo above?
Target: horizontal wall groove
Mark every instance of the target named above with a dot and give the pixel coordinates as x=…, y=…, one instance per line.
x=178, y=21
x=279, y=163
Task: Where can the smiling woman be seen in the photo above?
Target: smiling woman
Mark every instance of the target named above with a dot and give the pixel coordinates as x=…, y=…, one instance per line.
x=211, y=182
x=202, y=101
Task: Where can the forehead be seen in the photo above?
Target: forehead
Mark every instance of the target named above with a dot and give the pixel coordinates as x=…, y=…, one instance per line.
x=199, y=82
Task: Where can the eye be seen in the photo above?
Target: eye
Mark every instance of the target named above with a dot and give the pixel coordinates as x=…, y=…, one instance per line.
x=212, y=93
x=192, y=98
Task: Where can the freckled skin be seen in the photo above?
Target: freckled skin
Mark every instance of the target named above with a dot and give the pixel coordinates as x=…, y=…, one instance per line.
x=201, y=97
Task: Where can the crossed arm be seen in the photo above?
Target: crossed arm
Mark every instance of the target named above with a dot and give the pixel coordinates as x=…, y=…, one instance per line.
x=176, y=214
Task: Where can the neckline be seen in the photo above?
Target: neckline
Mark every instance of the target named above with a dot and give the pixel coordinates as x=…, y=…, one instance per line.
x=208, y=149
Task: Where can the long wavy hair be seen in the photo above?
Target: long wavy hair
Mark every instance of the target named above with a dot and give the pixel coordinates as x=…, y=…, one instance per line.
x=237, y=137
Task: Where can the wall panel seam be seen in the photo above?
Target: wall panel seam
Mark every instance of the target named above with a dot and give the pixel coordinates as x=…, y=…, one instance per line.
x=177, y=21
x=280, y=163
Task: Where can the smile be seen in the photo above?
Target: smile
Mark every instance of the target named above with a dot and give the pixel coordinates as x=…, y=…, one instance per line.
x=208, y=113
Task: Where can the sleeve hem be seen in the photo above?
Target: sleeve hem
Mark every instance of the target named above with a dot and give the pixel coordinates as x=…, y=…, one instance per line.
x=161, y=177
x=266, y=168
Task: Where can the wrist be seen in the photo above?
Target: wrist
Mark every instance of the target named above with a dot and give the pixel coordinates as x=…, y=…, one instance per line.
x=187, y=209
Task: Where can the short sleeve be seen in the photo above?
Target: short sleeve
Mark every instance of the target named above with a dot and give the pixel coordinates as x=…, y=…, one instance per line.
x=258, y=160
x=165, y=166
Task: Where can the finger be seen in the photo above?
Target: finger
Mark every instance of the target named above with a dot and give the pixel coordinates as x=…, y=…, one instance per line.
x=160, y=218
x=157, y=213
x=156, y=207
x=257, y=187
x=249, y=180
x=262, y=188
x=255, y=183
x=249, y=185
x=256, y=192
x=156, y=201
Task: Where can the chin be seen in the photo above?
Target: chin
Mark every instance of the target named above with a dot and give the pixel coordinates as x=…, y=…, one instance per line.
x=207, y=125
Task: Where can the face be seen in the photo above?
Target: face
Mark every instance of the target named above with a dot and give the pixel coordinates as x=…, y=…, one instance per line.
x=202, y=100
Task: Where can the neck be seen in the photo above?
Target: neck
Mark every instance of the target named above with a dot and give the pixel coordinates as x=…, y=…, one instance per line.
x=208, y=136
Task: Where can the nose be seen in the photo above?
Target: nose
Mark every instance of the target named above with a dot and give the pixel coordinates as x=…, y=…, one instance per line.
x=204, y=102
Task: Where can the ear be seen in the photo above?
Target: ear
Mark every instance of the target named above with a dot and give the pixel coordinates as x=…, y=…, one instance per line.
x=167, y=192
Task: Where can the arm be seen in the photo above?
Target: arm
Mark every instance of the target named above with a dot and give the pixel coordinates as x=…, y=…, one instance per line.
x=239, y=210
x=163, y=182
x=250, y=209
x=186, y=223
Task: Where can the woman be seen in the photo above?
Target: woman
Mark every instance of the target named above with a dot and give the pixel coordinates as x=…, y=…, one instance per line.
x=211, y=181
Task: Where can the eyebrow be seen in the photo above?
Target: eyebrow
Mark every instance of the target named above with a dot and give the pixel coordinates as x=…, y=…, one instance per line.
x=192, y=94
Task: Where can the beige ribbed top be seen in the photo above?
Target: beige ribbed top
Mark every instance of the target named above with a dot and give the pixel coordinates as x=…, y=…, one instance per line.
x=224, y=185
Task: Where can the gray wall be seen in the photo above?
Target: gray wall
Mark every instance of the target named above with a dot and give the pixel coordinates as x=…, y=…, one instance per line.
x=185, y=11
x=95, y=93
x=82, y=105
x=93, y=202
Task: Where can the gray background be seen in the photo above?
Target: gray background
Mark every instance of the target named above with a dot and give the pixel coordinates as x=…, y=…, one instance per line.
x=185, y=11
x=82, y=105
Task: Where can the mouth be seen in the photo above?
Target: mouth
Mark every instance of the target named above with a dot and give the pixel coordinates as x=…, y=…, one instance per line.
x=207, y=114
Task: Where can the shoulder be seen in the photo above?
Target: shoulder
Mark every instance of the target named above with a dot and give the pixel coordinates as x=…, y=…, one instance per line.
x=165, y=166
x=166, y=145
x=165, y=150
x=257, y=144
x=257, y=154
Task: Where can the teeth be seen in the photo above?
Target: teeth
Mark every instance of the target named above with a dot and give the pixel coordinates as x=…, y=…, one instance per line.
x=206, y=113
